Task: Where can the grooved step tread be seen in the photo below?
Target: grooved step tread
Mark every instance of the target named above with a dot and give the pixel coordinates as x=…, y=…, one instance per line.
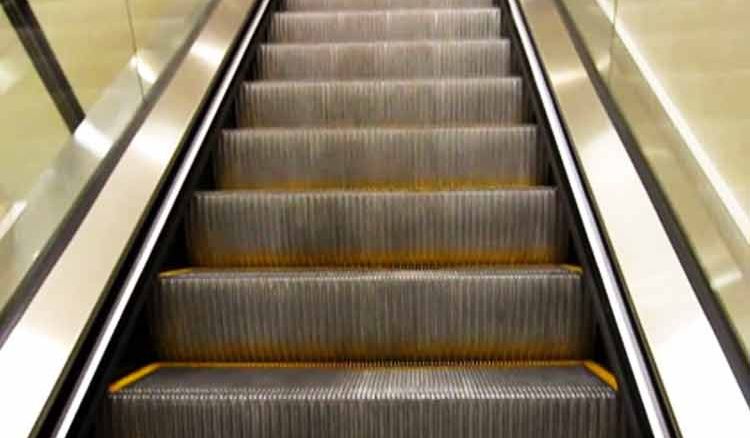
x=402, y=25
x=402, y=103
x=403, y=401
x=307, y=159
x=389, y=60
x=331, y=315
x=247, y=228
x=381, y=259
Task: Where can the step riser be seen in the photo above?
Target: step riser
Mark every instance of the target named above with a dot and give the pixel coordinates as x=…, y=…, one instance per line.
x=379, y=158
x=309, y=28
x=369, y=419
x=396, y=103
x=353, y=228
x=384, y=61
x=364, y=5
x=429, y=315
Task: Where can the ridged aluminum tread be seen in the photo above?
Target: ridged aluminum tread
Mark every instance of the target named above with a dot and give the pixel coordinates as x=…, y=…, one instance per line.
x=440, y=158
x=366, y=402
x=336, y=315
x=246, y=228
x=370, y=26
x=368, y=94
x=364, y=5
x=389, y=60
x=408, y=103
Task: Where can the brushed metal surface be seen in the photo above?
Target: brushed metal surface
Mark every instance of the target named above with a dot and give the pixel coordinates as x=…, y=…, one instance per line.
x=434, y=402
x=319, y=27
x=387, y=60
x=379, y=158
x=376, y=228
x=320, y=315
x=37, y=352
x=402, y=103
x=683, y=93
x=593, y=18
x=684, y=350
x=36, y=219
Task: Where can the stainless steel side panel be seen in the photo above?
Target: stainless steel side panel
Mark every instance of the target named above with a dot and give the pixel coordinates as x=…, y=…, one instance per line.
x=701, y=391
x=37, y=352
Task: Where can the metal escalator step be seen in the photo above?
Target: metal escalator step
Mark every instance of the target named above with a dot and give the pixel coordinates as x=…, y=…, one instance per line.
x=376, y=228
x=414, y=59
x=362, y=5
x=365, y=401
x=340, y=315
x=293, y=159
x=320, y=27
x=382, y=103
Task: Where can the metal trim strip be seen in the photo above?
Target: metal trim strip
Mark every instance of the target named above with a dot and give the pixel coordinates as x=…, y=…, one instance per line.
x=625, y=325
x=144, y=253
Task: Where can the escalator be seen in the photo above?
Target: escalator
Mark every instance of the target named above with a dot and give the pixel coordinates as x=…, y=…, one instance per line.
x=378, y=247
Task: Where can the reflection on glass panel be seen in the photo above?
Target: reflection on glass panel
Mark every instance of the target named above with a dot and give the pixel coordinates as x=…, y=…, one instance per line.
x=31, y=129
x=45, y=172
x=692, y=62
x=679, y=73
x=594, y=23
x=93, y=42
x=161, y=27
x=698, y=63
x=32, y=133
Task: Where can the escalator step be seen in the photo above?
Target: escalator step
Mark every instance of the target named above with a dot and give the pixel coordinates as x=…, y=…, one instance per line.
x=417, y=59
x=340, y=315
x=367, y=401
x=379, y=158
x=376, y=228
x=382, y=103
x=381, y=257
x=363, y=5
x=319, y=27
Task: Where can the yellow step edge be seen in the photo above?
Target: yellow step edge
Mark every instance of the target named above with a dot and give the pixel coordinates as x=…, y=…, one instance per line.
x=177, y=272
x=141, y=373
x=134, y=377
x=572, y=268
x=509, y=266
x=604, y=375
